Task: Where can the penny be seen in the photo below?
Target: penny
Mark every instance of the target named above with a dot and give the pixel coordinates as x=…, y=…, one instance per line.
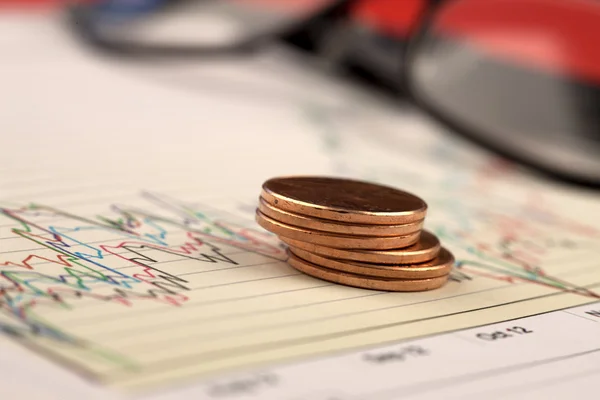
x=363, y=281
x=426, y=249
x=440, y=266
x=332, y=239
x=344, y=200
x=319, y=224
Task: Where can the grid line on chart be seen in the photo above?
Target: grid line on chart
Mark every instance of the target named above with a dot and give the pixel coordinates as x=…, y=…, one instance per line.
x=184, y=360
x=255, y=312
x=239, y=350
x=81, y=321
x=328, y=318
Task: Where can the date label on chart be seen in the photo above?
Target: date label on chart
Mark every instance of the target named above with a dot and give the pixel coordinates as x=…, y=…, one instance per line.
x=507, y=333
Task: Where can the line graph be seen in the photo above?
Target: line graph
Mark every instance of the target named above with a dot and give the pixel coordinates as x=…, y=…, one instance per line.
x=78, y=281
x=79, y=275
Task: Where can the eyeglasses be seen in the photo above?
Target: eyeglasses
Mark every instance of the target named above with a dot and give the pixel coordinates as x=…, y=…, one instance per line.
x=191, y=28
x=519, y=77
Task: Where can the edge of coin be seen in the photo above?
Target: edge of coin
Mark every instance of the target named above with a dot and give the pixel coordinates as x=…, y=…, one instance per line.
x=341, y=241
x=362, y=281
x=406, y=255
x=342, y=228
x=440, y=266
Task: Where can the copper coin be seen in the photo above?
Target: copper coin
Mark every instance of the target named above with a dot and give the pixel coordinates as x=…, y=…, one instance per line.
x=332, y=239
x=426, y=249
x=325, y=225
x=363, y=281
x=440, y=266
x=344, y=200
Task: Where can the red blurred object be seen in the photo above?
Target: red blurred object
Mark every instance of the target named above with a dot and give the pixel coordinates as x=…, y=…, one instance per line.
x=396, y=18
x=556, y=36
x=295, y=5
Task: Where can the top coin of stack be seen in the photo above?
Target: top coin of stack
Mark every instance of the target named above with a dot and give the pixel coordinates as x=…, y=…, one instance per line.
x=354, y=233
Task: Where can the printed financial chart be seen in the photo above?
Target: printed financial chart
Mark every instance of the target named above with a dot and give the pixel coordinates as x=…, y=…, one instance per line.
x=136, y=263
x=167, y=290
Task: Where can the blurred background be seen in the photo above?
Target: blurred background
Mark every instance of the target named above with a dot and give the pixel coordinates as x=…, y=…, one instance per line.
x=520, y=78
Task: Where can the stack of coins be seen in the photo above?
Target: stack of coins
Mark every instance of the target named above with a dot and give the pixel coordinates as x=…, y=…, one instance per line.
x=354, y=233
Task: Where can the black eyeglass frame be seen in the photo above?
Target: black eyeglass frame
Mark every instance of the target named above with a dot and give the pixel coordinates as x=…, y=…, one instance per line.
x=81, y=19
